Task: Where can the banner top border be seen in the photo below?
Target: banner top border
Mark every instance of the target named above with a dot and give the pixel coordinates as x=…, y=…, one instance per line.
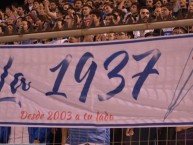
x=82, y=44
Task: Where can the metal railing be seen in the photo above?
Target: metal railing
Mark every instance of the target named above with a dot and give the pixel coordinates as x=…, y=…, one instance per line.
x=98, y=30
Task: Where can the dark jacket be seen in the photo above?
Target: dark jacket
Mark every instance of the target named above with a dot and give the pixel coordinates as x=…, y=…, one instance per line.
x=41, y=134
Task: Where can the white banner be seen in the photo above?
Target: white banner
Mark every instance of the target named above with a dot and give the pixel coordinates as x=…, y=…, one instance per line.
x=143, y=82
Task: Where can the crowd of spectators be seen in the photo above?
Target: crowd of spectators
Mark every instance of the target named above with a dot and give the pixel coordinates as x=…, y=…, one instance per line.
x=56, y=15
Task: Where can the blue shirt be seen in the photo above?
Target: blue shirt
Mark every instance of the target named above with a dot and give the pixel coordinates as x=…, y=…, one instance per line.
x=41, y=134
x=88, y=135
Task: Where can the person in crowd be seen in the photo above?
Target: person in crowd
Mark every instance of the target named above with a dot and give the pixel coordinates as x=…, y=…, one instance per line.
x=121, y=35
x=37, y=6
x=9, y=12
x=157, y=14
x=97, y=18
x=117, y=136
x=71, y=11
x=144, y=18
x=183, y=11
x=117, y=17
x=2, y=16
x=90, y=3
x=146, y=136
x=184, y=135
x=14, y=8
x=179, y=30
x=10, y=20
x=24, y=26
x=29, y=5
x=155, y=32
x=31, y=19
x=144, y=15
x=88, y=38
x=70, y=21
x=59, y=25
x=78, y=4
x=98, y=136
x=56, y=136
x=158, y=32
x=150, y=6
x=110, y=36
x=158, y=3
x=2, y=30
x=74, y=39
x=38, y=12
x=60, y=3
x=108, y=9
x=10, y=29
x=20, y=11
x=133, y=17
x=125, y=6
x=100, y=37
x=175, y=7
x=165, y=1
x=87, y=18
x=66, y=6
x=166, y=135
x=166, y=12
x=51, y=9
x=190, y=10
x=24, y=135
x=108, y=20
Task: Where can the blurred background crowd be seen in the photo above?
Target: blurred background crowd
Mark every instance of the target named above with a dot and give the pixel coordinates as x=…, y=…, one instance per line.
x=32, y=16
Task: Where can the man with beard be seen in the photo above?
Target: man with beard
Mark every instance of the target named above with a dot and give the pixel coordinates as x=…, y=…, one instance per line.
x=50, y=7
x=78, y=4
x=144, y=15
x=20, y=11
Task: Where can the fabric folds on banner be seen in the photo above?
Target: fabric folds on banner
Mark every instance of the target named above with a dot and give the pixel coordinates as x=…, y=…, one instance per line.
x=142, y=82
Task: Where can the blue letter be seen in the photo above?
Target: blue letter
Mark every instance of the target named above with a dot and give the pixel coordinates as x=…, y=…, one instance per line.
x=115, y=74
x=5, y=73
x=90, y=72
x=23, y=83
x=147, y=71
x=63, y=68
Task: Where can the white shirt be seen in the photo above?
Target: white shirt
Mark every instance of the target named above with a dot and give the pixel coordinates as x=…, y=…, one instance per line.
x=19, y=135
